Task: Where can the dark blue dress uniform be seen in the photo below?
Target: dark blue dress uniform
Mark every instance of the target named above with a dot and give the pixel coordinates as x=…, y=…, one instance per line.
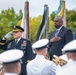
x=25, y=46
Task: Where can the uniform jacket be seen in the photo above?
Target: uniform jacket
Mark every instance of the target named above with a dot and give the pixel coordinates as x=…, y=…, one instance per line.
x=66, y=36
x=23, y=45
x=41, y=66
x=68, y=69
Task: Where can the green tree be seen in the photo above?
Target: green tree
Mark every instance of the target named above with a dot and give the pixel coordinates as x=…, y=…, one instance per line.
x=34, y=26
x=8, y=18
x=52, y=16
x=71, y=19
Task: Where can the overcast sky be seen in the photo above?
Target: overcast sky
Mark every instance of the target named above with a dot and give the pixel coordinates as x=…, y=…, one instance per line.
x=36, y=6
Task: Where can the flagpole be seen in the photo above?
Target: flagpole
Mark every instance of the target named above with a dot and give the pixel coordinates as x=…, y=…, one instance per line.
x=62, y=11
x=47, y=22
x=43, y=30
x=27, y=17
x=25, y=20
x=64, y=17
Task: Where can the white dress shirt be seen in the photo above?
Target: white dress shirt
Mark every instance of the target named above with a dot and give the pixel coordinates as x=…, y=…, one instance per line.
x=41, y=66
x=18, y=40
x=57, y=31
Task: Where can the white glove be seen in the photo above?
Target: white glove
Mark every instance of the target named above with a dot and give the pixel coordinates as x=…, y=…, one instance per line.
x=8, y=35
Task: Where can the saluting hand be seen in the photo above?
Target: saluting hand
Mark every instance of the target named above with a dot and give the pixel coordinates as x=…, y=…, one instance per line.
x=8, y=35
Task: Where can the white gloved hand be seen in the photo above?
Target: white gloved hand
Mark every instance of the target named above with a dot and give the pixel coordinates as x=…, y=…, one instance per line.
x=8, y=35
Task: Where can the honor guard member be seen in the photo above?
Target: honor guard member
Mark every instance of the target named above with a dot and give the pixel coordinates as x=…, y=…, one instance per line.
x=20, y=43
x=11, y=61
x=70, y=51
x=40, y=65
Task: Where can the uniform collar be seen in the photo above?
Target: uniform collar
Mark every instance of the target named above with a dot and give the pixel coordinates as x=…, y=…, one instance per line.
x=18, y=39
x=60, y=28
x=70, y=61
x=10, y=74
x=39, y=56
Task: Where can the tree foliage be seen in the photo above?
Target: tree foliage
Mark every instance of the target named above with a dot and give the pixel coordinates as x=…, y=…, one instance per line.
x=71, y=19
x=8, y=18
x=34, y=26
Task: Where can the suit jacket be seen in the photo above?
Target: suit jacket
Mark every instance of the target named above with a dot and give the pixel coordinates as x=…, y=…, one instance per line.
x=23, y=45
x=41, y=66
x=66, y=36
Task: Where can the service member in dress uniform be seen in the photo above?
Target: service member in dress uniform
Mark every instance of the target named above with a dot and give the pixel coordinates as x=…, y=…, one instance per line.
x=70, y=51
x=40, y=65
x=11, y=61
x=20, y=43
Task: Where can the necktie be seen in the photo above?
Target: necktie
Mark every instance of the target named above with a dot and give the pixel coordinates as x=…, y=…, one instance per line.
x=56, y=32
x=16, y=41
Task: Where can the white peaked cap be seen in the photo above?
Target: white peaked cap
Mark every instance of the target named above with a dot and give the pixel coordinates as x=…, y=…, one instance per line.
x=10, y=56
x=71, y=46
x=40, y=44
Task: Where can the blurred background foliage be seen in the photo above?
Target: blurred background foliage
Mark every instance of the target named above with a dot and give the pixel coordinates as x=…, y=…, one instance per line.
x=9, y=18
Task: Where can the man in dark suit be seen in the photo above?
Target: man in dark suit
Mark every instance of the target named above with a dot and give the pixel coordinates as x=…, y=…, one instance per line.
x=20, y=43
x=59, y=37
